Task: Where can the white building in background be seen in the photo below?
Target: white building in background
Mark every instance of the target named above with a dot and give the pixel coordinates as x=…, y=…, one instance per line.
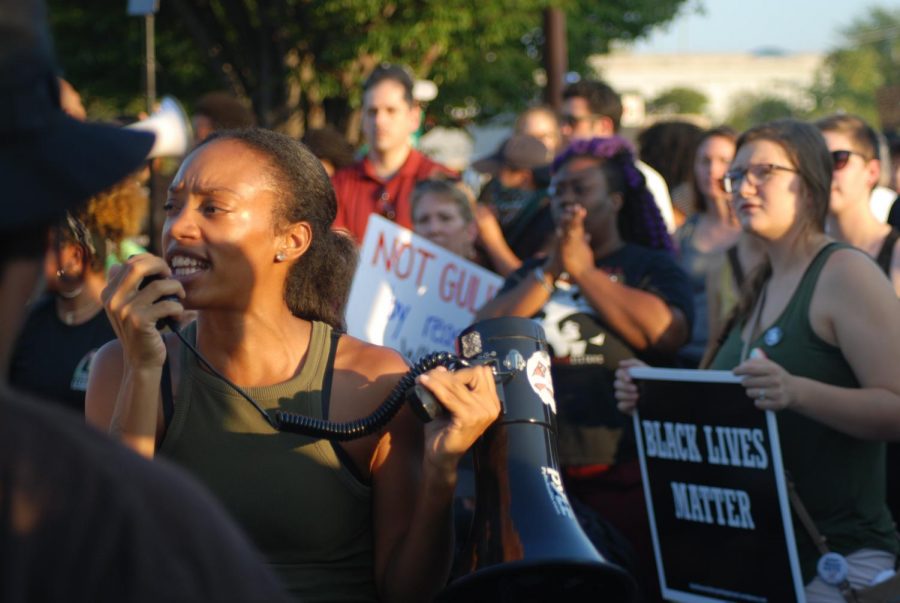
x=723, y=78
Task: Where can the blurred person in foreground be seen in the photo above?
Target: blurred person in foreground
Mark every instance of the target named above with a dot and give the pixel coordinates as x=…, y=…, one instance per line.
x=803, y=340
x=81, y=518
x=608, y=290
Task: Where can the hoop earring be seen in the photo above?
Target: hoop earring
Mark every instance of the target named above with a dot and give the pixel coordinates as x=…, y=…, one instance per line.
x=61, y=274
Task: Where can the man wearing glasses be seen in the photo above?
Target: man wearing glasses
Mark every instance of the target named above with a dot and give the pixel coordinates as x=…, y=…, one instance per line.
x=591, y=109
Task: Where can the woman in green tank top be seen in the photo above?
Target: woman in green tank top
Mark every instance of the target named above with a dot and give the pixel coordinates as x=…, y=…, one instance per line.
x=816, y=337
x=249, y=246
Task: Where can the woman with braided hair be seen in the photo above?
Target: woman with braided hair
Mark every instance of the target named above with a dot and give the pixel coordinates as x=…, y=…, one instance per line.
x=609, y=289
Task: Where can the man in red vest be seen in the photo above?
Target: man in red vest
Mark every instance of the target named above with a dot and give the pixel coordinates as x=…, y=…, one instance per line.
x=382, y=182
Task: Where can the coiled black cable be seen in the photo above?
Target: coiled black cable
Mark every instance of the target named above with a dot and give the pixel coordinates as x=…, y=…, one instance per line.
x=351, y=430
x=328, y=430
x=321, y=428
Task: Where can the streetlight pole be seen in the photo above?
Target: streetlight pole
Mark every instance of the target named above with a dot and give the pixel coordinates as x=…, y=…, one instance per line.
x=555, y=56
x=148, y=9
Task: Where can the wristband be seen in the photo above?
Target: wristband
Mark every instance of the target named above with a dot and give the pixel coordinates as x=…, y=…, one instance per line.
x=541, y=277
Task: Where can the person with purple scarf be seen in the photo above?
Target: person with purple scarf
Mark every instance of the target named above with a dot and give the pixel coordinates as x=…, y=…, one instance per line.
x=609, y=289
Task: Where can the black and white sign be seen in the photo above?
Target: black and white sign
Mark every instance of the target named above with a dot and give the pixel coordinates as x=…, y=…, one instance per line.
x=715, y=489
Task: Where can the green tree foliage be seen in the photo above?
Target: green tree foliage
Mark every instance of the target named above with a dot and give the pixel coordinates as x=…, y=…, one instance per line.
x=753, y=110
x=867, y=60
x=679, y=101
x=301, y=61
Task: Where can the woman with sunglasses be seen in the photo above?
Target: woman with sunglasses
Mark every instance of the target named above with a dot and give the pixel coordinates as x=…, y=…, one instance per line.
x=248, y=244
x=803, y=339
x=609, y=289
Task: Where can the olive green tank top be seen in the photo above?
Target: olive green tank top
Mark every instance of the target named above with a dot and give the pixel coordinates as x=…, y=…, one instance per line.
x=839, y=478
x=292, y=494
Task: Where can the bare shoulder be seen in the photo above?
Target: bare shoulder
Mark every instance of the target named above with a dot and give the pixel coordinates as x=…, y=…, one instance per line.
x=850, y=267
x=851, y=281
x=109, y=360
x=369, y=359
x=365, y=373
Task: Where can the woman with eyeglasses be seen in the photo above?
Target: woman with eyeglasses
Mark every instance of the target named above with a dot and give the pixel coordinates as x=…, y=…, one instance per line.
x=609, y=289
x=815, y=337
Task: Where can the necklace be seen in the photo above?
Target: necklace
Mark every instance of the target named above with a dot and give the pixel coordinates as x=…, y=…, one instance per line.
x=78, y=315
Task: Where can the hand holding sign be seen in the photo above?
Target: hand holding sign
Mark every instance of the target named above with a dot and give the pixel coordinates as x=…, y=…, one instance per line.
x=767, y=383
x=626, y=391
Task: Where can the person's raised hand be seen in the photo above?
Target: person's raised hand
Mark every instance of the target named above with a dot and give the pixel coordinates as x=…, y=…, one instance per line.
x=575, y=254
x=132, y=311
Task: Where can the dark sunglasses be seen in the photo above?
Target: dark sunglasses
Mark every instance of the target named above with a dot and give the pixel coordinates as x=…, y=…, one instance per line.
x=574, y=120
x=841, y=158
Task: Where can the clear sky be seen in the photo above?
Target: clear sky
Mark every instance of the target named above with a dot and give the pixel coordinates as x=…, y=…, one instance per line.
x=748, y=25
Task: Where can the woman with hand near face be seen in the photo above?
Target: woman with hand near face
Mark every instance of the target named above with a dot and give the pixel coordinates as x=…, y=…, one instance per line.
x=822, y=322
x=248, y=245
x=707, y=233
x=610, y=289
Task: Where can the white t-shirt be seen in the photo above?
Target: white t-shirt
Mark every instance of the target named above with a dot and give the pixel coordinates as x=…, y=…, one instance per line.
x=657, y=186
x=881, y=201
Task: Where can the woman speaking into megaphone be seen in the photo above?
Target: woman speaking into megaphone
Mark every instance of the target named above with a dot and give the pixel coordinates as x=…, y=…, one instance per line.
x=248, y=244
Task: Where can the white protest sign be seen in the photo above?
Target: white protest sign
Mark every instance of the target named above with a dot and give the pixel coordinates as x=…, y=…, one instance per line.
x=412, y=295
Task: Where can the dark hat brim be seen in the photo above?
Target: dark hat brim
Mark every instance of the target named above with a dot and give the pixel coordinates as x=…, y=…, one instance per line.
x=46, y=171
x=488, y=165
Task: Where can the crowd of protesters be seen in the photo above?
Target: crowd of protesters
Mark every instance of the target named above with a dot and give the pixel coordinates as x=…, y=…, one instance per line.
x=683, y=248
